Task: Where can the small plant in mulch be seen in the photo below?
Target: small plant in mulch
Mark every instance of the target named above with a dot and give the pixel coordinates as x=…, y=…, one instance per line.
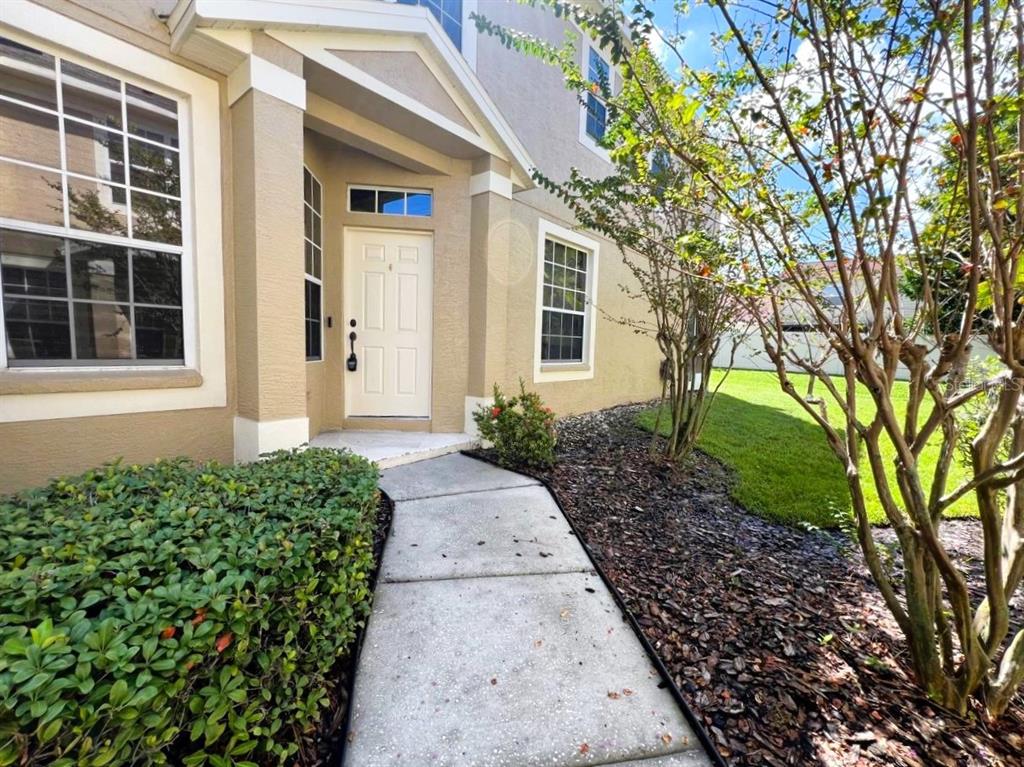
x=521, y=429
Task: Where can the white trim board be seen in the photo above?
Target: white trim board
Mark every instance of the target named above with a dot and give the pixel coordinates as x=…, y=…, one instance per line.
x=471, y=404
x=315, y=46
x=253, y=438
x=490, y=181
x=547, y=229
x=337, y=24
x=262, y=75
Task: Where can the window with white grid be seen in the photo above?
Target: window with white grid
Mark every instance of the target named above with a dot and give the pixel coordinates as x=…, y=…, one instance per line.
x=564, y=313
x=91, y=241
x=313, y=198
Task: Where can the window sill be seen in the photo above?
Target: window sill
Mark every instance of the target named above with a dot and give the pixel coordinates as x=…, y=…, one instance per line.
x=572, y=367
x=586, y=141
x=28, y=381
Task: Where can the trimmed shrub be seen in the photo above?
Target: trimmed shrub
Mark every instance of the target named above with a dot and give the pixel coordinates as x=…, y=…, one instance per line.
x=178, y=612
x=521, y=429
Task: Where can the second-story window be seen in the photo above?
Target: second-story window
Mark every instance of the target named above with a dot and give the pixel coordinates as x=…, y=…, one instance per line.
x=597, y=113
x=448, y=12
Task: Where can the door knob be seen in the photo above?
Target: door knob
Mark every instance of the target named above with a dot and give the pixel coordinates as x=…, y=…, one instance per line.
x=352, y=363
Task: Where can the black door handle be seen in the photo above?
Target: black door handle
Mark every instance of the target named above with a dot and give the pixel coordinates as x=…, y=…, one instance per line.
x=352, y=363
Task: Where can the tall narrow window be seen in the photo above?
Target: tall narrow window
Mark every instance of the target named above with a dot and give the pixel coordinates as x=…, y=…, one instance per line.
x=597, y=113
x=313, y=197
x=448, y=13
x=91, y=241
x=564, y=312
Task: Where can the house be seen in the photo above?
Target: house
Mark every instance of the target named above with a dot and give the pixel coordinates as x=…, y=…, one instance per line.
x=227, y=227
x=802, y=337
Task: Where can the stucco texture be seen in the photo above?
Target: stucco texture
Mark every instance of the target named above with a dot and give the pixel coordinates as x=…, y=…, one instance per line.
x=625, y=364
x=35, y=451
x=269, y=275
x=337, y=166
x=532, y=96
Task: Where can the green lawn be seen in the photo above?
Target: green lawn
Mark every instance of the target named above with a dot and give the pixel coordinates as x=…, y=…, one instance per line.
x=785, y=470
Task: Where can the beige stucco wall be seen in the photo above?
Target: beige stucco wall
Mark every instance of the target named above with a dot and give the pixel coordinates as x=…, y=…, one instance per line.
x=337, y=166
x=625, y=364
x=139, y=22
x=532, y=97
x=546, y=117
x=406, y=72
x=268, y=153
x=35, y=451
x=467, y=357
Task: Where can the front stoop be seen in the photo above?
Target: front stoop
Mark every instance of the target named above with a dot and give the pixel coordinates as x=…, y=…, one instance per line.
x=493, y=641
x=391, y=448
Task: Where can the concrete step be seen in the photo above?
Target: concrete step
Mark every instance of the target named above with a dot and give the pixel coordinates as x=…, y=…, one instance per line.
x=390, y=448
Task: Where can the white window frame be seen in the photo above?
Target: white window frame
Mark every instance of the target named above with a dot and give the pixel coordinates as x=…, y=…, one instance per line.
x=203, y=281
x=566, y=371
x=469, y=33
x=375, y=188
x=586, y=46
x=311, y=277
x=188, y=298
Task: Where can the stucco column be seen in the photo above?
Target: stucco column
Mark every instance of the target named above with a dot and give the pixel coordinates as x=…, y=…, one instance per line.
x=490, y=250
x=267, y=100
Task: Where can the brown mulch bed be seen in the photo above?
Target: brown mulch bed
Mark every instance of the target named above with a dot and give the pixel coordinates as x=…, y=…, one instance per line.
x=775, y=636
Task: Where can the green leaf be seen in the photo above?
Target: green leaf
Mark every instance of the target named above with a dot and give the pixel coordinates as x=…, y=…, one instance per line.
x=118, y=692
x=49, y=731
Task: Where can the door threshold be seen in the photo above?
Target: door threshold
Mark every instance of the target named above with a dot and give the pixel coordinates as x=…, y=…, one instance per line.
x=387, y=423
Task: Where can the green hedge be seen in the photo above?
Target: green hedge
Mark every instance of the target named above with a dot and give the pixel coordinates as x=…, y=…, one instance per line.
x=178, y=612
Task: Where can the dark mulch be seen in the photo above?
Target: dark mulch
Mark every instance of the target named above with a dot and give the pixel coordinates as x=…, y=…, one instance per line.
x=328, y=743
x=776, y=636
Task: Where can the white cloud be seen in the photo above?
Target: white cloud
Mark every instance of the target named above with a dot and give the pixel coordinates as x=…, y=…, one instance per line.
x=656, y=42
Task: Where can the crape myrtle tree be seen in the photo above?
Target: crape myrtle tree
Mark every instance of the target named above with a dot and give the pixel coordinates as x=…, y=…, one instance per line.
x=825, y=124
x=945, y=238
x=663, y=219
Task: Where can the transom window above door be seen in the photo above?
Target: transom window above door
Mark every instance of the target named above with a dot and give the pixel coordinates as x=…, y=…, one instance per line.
x=390, y=201
x=91, y=244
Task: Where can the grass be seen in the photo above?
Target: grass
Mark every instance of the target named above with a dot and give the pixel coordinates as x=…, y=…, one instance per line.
x=784, y=468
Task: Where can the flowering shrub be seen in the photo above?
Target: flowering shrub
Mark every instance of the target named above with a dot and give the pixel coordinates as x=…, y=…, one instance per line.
x=521, y=429
x=181, y=613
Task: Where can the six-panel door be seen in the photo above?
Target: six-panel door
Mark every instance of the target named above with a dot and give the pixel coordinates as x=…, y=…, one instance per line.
x=388, y=289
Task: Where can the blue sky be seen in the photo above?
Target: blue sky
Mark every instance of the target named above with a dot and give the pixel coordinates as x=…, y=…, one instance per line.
x=697, y=27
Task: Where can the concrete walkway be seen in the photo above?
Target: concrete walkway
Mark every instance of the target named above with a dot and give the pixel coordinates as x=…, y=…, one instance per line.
x=394, y=448
x=493, y=642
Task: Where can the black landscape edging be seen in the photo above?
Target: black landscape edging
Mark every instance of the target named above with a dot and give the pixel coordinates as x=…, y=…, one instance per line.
x=350, y=683
x=695, y=724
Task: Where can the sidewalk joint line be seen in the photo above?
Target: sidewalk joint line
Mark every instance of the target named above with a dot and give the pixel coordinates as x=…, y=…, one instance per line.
x=533, y=483
x=586, y=570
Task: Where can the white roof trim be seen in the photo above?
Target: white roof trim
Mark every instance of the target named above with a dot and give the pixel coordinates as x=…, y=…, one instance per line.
x=363, y=16
x=312, y=46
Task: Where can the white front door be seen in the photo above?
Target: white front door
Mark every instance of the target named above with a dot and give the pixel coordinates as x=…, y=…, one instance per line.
x=388, y=292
